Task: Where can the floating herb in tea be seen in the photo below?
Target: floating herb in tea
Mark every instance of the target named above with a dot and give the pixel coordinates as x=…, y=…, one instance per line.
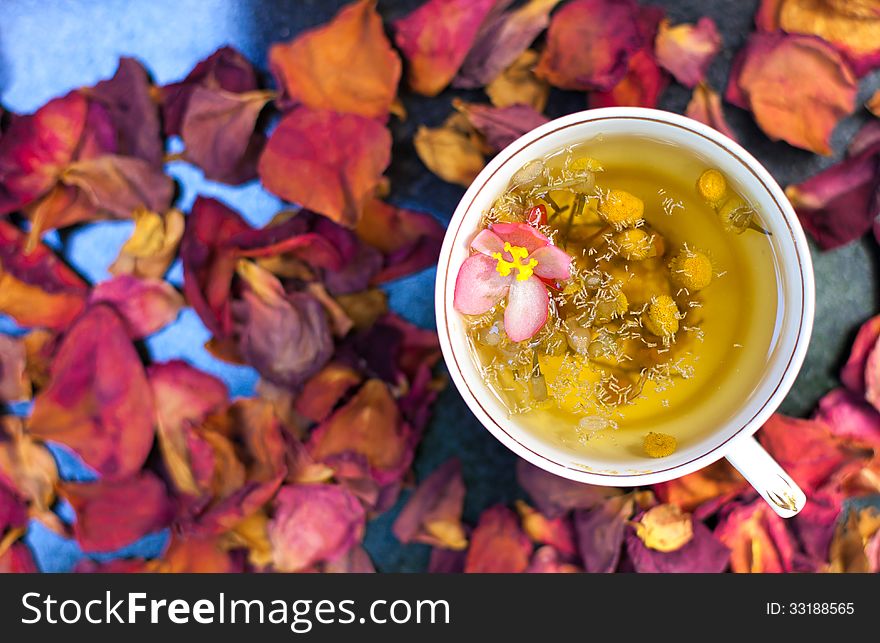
x=606, y=299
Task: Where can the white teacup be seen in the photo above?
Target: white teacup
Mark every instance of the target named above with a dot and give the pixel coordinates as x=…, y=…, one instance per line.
x=732, y=440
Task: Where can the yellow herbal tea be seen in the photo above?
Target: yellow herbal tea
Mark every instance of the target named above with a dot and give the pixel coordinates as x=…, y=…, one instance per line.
x=621, y=295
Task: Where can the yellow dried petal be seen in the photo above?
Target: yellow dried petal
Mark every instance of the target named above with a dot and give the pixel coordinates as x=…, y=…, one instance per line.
x=665, y=528
x=712, y=187
x=622, y=209
x=659, y=445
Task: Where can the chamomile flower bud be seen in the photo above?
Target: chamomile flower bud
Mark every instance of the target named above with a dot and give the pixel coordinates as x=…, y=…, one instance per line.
x=691, y=269
x=736, y=215
x=621, y=209
x=661, y=317
x=612, y=308
x=712, y=187
x=659, y=445
x=634, y=244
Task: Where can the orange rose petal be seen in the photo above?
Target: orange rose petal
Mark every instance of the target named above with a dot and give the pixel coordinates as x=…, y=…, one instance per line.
x=758, y=539
x=686, y=50
x=498, y=545
x=705, y=106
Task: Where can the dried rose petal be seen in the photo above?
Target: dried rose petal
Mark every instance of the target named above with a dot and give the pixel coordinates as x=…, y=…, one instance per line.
x=13, y=511
x=446, y=561
x=847, y=551
x=705, y=106
x=347, y=65
x=814, y=527
x=409, y=240
x=556, y=532
x=36, y=148
x=152, y=247
x=218, y=133
x=687, y=50
x=702, y=554
x=501, y=40
x=555, y=496
x=808, y=451
x=325, y=161
x=313, y=523
x=135, y=115
x=29, y=469
x=436, y=37
x=369, y=425
x=853, y=373
x=501, y=126
x=110, y=515
x=195, y=554
x=841, y=203
x=225, y=70
x=498, y=545
x=432, y=515
x=610, y=27
x=798, y=88
x=454, y=151
x=665, y=528
x=873, y=103
x=355, y=561
x=146, y=305
x=718, y=480
x=850, y=417
x=852, y=27
x=600, y=533
x=15, y=384
x=518, y=85
x=547, y=560
x=286, y=337
x=17, y=560
x=758, y=539
x=98, y=401
x=324, y=390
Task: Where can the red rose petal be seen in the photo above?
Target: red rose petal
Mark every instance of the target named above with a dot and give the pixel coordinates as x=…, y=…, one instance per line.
x=146, y=305
x=758, y=539
x=498, y=545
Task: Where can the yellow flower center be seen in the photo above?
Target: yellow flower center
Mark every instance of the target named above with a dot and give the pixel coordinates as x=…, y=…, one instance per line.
x=517, y=254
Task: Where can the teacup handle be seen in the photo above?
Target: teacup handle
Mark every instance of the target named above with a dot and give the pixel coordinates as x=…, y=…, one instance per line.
x=767, y=477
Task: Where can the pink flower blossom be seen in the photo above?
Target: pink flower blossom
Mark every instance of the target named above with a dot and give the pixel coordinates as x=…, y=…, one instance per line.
x=511, y=260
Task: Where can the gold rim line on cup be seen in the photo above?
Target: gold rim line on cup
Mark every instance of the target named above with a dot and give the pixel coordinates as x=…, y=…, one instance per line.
x=772, y=394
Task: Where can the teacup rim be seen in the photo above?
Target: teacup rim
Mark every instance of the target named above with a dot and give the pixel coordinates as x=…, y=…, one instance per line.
x=767, y=406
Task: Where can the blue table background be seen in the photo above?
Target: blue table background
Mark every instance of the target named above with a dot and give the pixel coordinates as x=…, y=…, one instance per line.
x=48, y=47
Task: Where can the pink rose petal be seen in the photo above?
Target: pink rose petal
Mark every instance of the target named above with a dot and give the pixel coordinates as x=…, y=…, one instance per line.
x=521, y=234
x=553, y=263
x=478, y=286
x=853, y=373
x=686, y=51
x=850, y=417
x=527, y=306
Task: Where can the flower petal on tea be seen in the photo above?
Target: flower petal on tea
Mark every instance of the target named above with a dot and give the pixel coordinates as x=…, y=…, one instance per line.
x=553, y=262
x=527, y=309
x=556, y=532
x=17, y=560
x=600, y=532
x=612, y=31
x=432, y=514
x=328, y=162
x=226, y=69
x=36, y=288
x=687, y=50
x=853, y=373
x=704, y=553
x=518, y=85
x=840, y=203
x=346, y=65
x=436, y=37
x=501, y=126
x=286, y=337
x=852, y=28
x=798, y=88
x=501, y=40
x=719, y=480
x=705, y=106
x=36, y=148
x=218, y=133
x=368, y=425
x=152, y=247
x=850, y=417
x=521, y=234
x=119, y=185
x=110, y=515
x=547, y=560
x=146, y=305
x=313, y=523
x=554, y=495
x=498, y=545
x=665, y=528
x=128, y=100
x=410, y=240
x=478, y=285
x=809, y=452
x=487, y=242
x=98, y=401
x=758, y=539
